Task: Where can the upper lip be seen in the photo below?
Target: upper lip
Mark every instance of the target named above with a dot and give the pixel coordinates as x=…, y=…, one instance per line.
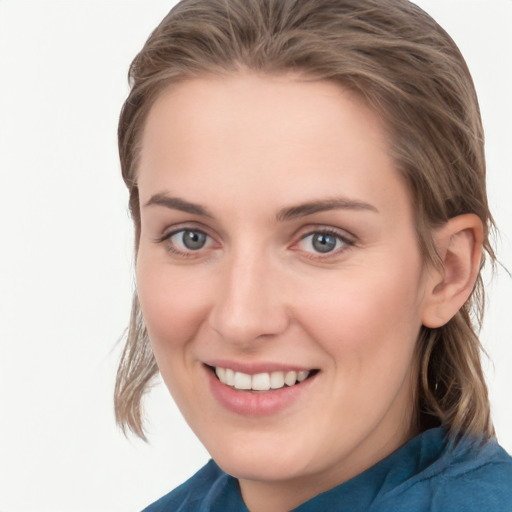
x=253, y=368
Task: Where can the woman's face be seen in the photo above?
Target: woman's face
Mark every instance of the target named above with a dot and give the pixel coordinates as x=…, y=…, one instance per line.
x=277, y=244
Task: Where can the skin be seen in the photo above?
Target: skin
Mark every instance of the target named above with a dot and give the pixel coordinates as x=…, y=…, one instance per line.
x=242, y=149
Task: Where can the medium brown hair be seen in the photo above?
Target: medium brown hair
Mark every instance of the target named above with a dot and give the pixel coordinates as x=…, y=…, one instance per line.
x=410, y=72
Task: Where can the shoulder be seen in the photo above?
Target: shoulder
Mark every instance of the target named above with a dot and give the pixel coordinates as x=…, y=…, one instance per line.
x=476, y=477
x=470, y=476
x=202, y=492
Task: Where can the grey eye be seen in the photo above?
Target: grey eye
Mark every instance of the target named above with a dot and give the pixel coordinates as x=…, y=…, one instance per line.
x=189, y=242
x=193, y=240
x=324, y=243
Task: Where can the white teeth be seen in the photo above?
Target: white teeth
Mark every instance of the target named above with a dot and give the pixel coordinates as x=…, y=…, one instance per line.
x=230, y=377
x=260, y=381
x=276, y=380
x=302, y=375
x=242, y=381
x=291, y=378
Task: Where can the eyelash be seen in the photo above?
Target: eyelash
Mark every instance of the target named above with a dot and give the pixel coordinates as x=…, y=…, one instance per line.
x=346, y=242
x=172, y=247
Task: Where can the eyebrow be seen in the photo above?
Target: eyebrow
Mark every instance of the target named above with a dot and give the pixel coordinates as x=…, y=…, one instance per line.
x=312, y=207
x=176, y=203
x=285, y=214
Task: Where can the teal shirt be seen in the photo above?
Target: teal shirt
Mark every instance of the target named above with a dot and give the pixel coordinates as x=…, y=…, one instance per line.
x=429, y=473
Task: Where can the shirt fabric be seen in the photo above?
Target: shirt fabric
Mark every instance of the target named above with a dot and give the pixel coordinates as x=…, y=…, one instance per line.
x=429, y=473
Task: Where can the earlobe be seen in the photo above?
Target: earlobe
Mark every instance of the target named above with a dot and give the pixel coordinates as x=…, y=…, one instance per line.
x=459, y=244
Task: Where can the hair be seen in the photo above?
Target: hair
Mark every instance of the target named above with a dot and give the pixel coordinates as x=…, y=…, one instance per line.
x=410, y=72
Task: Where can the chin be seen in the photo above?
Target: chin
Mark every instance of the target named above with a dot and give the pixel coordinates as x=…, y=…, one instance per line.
x=262, y=469
x=264, y=460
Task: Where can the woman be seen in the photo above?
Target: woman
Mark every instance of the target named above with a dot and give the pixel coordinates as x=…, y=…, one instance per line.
x=307, y=182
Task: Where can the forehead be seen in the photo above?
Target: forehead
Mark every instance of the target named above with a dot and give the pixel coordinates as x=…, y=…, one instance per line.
x=246, y=132
x=272, y=110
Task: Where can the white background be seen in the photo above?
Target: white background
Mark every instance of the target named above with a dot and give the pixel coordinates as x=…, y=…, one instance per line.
x=65, y=250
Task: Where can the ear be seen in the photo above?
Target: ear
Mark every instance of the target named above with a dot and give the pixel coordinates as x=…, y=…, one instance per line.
x=459, y=244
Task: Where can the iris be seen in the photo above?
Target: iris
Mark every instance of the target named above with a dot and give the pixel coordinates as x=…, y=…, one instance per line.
x=193, y=240
x=324, y=242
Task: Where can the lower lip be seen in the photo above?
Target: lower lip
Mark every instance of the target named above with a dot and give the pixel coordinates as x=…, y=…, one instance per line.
x=248, y=403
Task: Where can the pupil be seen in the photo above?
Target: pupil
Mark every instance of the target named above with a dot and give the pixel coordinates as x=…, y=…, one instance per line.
x=324, y=243
x=193, y=240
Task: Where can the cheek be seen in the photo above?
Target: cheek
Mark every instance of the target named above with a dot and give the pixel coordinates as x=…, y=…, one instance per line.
x=364, y=317
x=368, y=325
x=171, y=304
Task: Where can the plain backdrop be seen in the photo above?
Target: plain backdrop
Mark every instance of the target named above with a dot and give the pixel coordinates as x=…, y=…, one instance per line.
x=66, y=270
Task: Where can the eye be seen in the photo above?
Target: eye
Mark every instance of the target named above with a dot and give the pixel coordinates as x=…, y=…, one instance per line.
x=323, y=242
x=184, y=242
x=189, y=240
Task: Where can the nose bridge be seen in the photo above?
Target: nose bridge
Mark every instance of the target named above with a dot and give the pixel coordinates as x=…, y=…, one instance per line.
x=249, y=304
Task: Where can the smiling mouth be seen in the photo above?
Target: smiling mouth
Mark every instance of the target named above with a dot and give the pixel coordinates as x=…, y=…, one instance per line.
x=261, y=381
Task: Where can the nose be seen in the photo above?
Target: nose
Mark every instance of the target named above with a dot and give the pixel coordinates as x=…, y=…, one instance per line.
x=248, y=305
